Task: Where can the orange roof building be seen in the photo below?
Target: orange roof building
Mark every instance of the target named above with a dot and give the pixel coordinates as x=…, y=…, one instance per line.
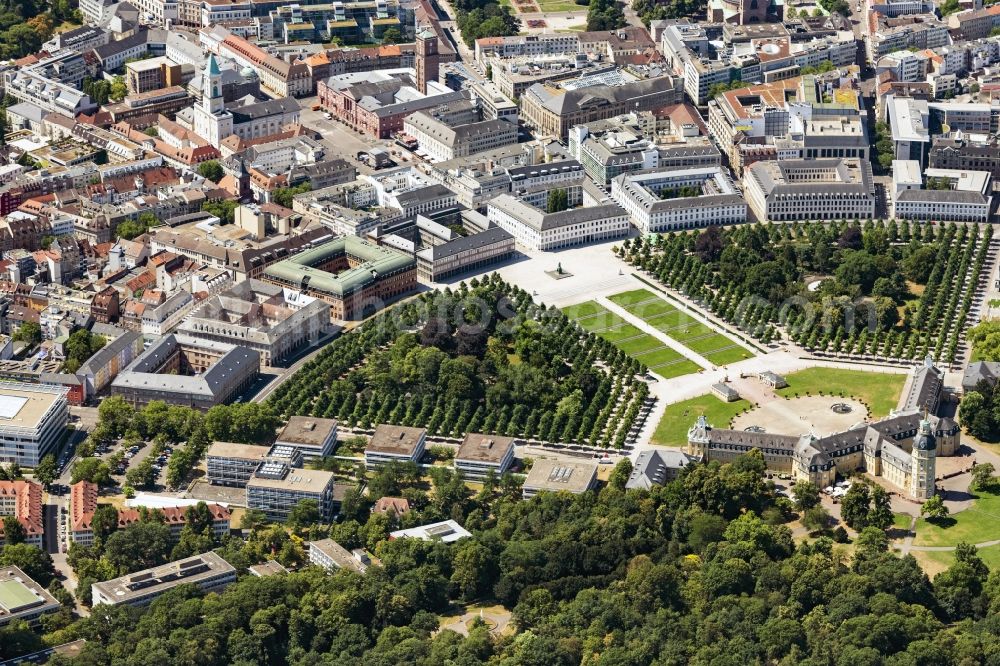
x=23, y=500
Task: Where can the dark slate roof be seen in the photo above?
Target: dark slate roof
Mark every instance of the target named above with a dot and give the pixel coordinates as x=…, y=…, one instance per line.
x=980, y=371
x=271, y=107
x=110, y=49
x=942, y=196
x=464, y=243
x=651, y=466
x=104, y=355
x=925, y=390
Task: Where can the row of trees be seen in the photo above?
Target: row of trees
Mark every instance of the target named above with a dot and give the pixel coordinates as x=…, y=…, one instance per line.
x=525, y=371
x=754, y=276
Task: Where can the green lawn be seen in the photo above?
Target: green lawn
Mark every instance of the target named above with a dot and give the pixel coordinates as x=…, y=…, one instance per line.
x=978, y=523
x=990, y=556
x=585, y=309
x=679, y=417
x=659, y=358
x=880, y=391
x=560, y=6
x=696, y=336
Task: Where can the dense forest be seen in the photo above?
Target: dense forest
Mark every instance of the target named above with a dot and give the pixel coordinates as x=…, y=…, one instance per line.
x=484, y=358
x=894, y=289
x=688, y=573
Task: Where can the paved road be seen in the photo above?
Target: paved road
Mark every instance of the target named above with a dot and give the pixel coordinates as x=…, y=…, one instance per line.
x=285, y=373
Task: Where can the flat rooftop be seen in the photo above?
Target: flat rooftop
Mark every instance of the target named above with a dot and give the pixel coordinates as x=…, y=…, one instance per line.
x=269, y=568
x=556, y=475
x=233, y=450
x=297, y=480
x=395, y=440
x=24, y=407
x=162, y=578
x=19, y=595
x=477, y=447
x=446, y=531
x=307, y=430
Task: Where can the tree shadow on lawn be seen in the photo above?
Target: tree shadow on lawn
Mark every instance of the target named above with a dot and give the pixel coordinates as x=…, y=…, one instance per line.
x=899, y=533
x=944, y=523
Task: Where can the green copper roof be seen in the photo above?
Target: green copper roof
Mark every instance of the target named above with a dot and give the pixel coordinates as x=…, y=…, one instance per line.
x=375, y=261
x=213, y=67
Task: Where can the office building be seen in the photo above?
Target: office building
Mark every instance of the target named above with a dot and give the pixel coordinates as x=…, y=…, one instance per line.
x=669, y=200
x=275, y=488
x=313, y=437
x=949, y=195
x=354, y=276
x=377, y=103
x=534, y=228
x=446, y=531
x=208, y=571
x=464, y=253
x=191, y=373
x=964, y=152
x=441, y=140
x=230, y=464
x=275, y=322
x=392, y=443
x=552, y=112
x=100, y=369
x=479, y=454
x=83, y=505
x=909, y=120
x=23, y=500
x=656, y=468
x=33, y=420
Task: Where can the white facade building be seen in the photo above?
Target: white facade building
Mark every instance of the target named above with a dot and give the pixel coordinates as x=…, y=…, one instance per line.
x=646, y=198
x=793, y=190
x=535, y=229
x=32, y=420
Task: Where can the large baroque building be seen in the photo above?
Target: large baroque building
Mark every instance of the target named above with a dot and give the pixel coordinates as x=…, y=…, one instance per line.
x=274, y=321
x=902, y=448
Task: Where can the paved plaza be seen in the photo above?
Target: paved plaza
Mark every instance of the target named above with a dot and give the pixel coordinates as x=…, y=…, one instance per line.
x=799, y=416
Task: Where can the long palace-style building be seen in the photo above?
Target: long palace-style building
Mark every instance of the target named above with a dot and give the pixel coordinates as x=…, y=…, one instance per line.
x=901, y=448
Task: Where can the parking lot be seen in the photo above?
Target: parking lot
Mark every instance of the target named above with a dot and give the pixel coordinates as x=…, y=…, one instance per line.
x=341, y=141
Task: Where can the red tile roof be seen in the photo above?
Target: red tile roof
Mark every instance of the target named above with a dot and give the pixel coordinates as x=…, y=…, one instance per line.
x=27, y=496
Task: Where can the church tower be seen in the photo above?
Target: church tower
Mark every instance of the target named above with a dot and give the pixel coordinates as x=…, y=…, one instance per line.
x=211, y=92
x=212, y=121
x=923, y=458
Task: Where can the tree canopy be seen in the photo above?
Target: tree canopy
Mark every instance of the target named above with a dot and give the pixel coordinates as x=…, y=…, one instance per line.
x=687, y=573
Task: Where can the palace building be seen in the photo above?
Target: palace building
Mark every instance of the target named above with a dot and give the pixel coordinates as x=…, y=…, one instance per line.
x=902, y=448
